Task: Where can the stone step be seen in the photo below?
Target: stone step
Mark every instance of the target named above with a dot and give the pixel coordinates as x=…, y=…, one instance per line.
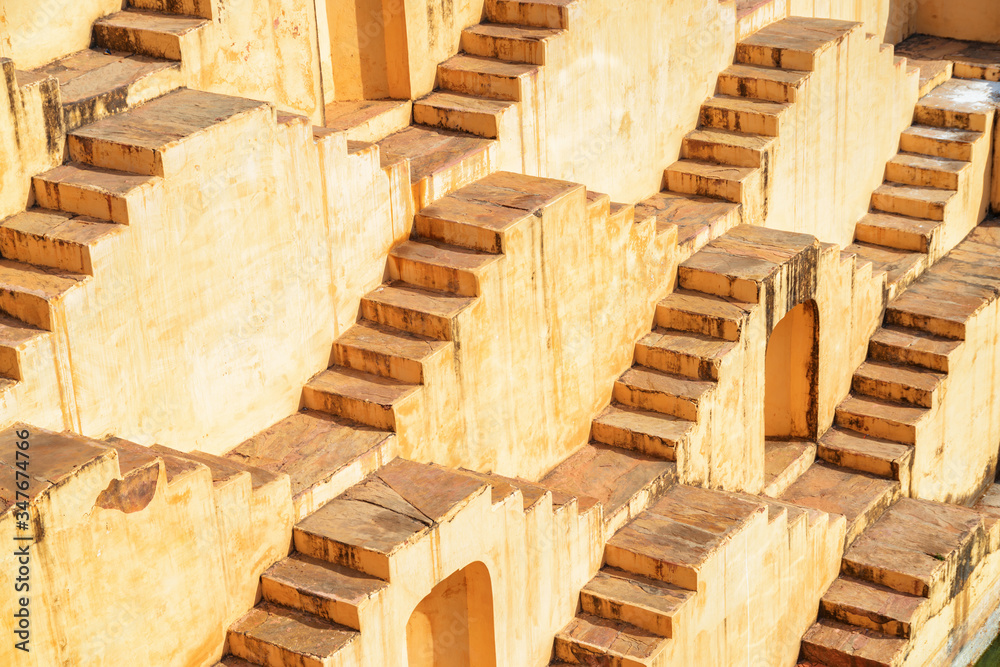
x=270, y=634
x=703, y=314
x=881, y=419
x=681, y=535
x=622, y=481
x=362, y=397
x=591, y=640
x=322, y=455
x=57, y=240
x=650, y=389
x=486, y=77
x=470, y=223
x=18, y=340
x=414, y=309
x=697, y=219
x=441, y=161
x=708, y=179
x=479, y=215
x=740, y=114
x=901, y=267
x=31, y=293
x=511, y=43
x=859, y=498
x=535, y=13
x=716, y=271
x=66, y=469
x=941, y=317
x=763, y=83
x=709, y=144
x=784, y=462
x=792, y=43
x=368, y=525
x=682, y=353
x=926, y=170
x=914, y=201
x=333, y=592
x=148, y=33
x=385, y=351
x=224, y=470
x=829, y=642
x=911, y=346
x=922, y=548
x=945, y=142
x=94, y=84
x=440, y=266
x=958, y=103
x=899, y=232
x=879, y=608
x=202, y=8
x=900, y=384
x=851, y=449
x=177, y=468
x=652, y=605
x=150, y=139
x=955, y=290
x=368, y=120
x=104, y=194
x=651, y=433
x=465, y=113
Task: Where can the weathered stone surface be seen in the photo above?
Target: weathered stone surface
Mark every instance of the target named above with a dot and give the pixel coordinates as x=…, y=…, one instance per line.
x=861, y=499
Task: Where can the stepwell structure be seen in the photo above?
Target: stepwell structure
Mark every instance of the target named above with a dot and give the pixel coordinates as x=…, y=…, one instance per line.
x=499, y=333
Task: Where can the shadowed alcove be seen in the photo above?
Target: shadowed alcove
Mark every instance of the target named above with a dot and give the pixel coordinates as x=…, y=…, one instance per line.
x=790, y=370
x=453, y=625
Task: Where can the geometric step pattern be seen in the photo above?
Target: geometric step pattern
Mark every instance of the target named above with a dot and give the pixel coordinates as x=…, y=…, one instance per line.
x=315, y=600
x=924, y=186
x=894, y=392
x=901, y=571
x=408, y=325
x=639, y=600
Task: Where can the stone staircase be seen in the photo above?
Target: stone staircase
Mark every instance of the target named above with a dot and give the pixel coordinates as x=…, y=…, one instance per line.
x=729, y=157
x=654, y=568
x=82, y=210
x=484, y=114
x=408, y=327
x=137, y=56
x=934, y=190
x=897, y=391
x=348, y=555
x=900, y=572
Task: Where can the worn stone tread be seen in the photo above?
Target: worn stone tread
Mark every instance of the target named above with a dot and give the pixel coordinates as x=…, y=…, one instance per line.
x=290, y=631
x=851, y=449
x=832, y=643
x=311, y=447
x=858, y=497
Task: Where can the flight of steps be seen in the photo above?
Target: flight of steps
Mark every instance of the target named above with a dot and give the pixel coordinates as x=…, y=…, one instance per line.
x=483, y=115
x=318, y=601
x=409, y=326
x=641, y=438
x=82, y=208
x=346, y=553
x=899, y=573
x=722, y=176
x=896, y=390
x=483, y=89
x=922, y=209
x=654, y=568
x=135, y=57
